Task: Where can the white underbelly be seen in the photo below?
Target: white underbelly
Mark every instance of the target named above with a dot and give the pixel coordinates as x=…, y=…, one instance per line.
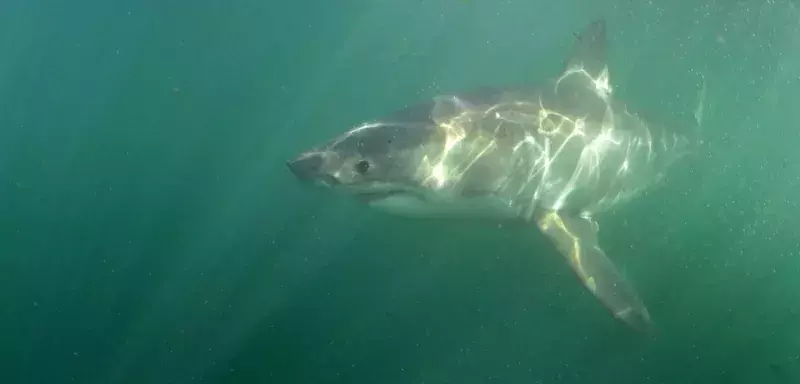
x=446, y=207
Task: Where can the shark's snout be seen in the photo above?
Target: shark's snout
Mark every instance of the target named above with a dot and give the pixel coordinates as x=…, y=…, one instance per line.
x=309, y=167
x=306, y=167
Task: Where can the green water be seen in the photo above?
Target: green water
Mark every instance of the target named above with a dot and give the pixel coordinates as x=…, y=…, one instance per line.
x=150, y=233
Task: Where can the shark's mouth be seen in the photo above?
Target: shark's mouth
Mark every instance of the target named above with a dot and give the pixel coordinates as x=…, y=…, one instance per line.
x=376, y=193
x=372, y=196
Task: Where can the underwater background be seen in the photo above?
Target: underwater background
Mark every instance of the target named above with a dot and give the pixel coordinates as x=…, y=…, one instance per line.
x=151, y=233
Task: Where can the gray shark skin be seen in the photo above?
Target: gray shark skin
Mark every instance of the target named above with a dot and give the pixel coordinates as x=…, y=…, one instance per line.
x=552, y=156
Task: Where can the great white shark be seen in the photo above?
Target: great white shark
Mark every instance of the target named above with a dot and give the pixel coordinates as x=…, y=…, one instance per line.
x=553, y=156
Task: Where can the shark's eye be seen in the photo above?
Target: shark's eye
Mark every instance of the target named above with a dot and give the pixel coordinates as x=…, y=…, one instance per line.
x=362, y=166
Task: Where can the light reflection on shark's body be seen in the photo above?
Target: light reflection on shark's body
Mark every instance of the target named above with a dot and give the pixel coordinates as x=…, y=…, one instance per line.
x=553, y=156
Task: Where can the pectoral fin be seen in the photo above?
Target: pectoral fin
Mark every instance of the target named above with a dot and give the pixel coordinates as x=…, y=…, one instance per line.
x=576, y=240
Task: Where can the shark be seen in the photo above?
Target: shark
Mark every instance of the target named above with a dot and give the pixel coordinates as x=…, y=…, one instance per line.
x=553, y=155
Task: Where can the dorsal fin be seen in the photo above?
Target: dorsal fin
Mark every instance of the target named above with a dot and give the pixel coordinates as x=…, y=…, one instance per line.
x=589, y=49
